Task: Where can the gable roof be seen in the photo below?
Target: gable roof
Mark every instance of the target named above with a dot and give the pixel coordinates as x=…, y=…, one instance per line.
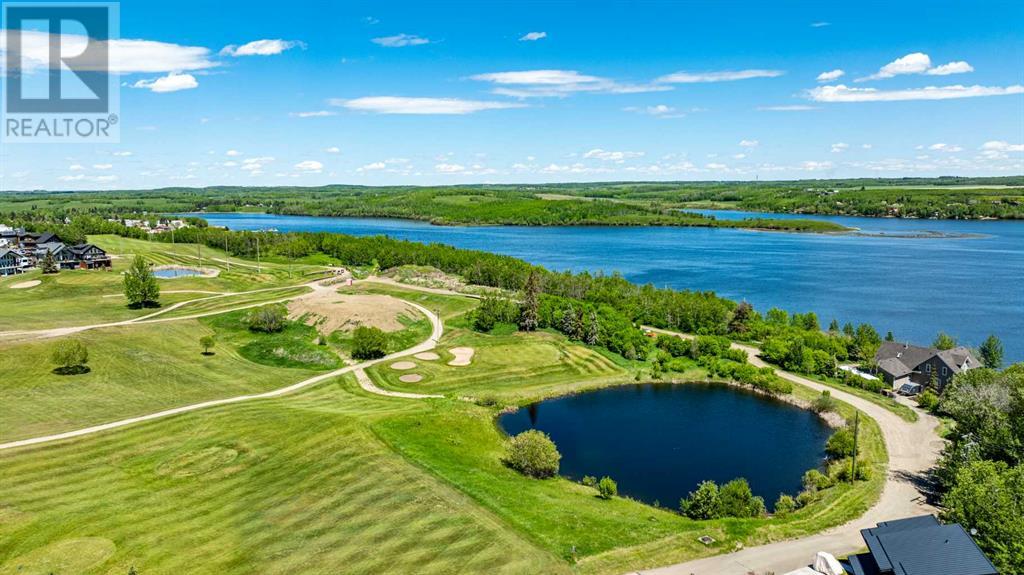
x=48, y=237
x=957, y=357
x=898, y=359
x=923, y=546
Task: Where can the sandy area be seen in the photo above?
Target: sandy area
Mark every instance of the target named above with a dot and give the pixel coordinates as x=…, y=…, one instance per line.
x=403, y=365
x=427, y=356
x=330, y=311
x=463, y=355
x=411, y=378
x=26, y=285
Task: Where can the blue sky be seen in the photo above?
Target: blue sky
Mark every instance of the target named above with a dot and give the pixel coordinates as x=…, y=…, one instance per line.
x=304, y=93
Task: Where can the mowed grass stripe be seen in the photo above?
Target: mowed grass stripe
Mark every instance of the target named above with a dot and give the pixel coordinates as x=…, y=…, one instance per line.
x=306, y=489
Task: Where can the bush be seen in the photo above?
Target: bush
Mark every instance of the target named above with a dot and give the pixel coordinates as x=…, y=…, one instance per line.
x=841, y=470
x=736, y=500
x=607, y=488
x=840, y=444
x=702, y=503
x=267, y=319
x=369, y=343
x=589, y=481
x=493, y=311
x=927, y=400
x=70, y=356
x=815, y=480
x=806, y=497
x=824, y=402
x=532, y=453
x=784, y=505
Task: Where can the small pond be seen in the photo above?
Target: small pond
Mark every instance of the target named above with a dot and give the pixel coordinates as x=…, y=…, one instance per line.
x=170, y=273
x=659, y=441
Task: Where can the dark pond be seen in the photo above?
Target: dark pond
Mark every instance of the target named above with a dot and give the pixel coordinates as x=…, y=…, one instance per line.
x=659, y=441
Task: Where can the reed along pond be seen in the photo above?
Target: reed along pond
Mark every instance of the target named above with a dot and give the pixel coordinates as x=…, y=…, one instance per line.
x=659, y=441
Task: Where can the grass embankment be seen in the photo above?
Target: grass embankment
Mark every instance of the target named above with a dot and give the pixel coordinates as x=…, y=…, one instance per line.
x=905, y=412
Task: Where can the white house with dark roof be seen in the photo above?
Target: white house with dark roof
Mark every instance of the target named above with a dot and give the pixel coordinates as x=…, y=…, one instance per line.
x=910, y=368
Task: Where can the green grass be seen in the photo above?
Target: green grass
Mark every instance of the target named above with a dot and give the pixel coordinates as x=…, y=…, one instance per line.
x=213, y=305
x=291, y=485
x=906, y=413
x=415, y=330
x=133, y=370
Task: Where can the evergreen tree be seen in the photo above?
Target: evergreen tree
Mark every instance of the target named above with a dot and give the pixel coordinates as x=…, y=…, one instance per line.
x=593, y=329
x=571, y=323
x=889, y=336
x=529, y=319
x=834, y=326
x=741, y=318
x=992, y=352
x=49, y=264
x=848, y=329
x=944, y=341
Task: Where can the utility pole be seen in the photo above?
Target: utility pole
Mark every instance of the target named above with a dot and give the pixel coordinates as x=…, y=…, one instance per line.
x=853, y=463
x=199, y=250
x=258, y=269
x=227, y=255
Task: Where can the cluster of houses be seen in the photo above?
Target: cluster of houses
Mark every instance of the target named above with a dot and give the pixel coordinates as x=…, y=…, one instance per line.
x=21, y=250
x=161, y=225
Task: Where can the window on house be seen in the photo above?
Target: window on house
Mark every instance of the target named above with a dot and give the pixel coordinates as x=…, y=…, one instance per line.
x=943, y=371
x=928, y=368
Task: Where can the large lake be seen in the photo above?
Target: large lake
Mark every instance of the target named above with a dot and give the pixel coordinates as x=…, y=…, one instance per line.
x=659, y=441
x=967, y=286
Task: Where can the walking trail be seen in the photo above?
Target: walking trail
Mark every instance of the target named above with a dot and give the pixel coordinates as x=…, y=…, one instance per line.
x=357, y=369
x=913, y=450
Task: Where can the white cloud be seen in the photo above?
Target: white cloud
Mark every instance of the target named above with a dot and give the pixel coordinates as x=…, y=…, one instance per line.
x=172, y=82
x=232, y=153
x=402, y=105
x=315, y=114
x=739, y=156
x=400, y=41
x=449, y=168
x=839, y=147
x=917, y=63
x=76, y=167
x=941, y=147
x=842, y=93
x=831, y=75
x=261, y=48
x=126, y=56
x=309, y=166
x=123, y=154
x=610, y=156
x=866, y=146
x=372, y=167
x=558, y=83
x=333, y=150
x=659, y=111
x=749, y=143
x=716, y=166
x=719, y=76
x=792, y=108
x=999, y=149
x=102, y=166
x=533, y=36
x=811, y=166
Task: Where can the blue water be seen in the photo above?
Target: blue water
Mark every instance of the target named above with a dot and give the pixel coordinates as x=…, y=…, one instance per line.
x=175, y=273
x=659, y=441
x=969, y=287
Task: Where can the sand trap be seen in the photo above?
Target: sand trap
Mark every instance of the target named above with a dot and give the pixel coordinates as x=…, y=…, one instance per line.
x=403, y=365
x=26, y=285
x=427, y=356
x=463, y=355
x=329, y=311
x=411, y=378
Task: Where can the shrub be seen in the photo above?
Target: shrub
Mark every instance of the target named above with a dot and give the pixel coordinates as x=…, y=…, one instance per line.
x=841, y=470
x=784, y=505
x=532, y=453
x=736, y=500
x=267, y=319
x=589, y=481
x=840, y=444
x=702, y=503
x=824, y=402
x=607, y=488
x=70, y=356
x=493, y=311
x=927, y=400
x=814, y=480
x=369, y=343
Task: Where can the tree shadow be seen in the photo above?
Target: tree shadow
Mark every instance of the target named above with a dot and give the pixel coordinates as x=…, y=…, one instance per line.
x=71, y=370
x=924, y=482
x=207, y=353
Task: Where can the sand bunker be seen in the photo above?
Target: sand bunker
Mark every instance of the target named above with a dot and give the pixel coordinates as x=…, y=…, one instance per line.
x=411, y=378
x=26, y=285
x=403, y=365
x=427, y=356
x=329, y=311
x=463, y=355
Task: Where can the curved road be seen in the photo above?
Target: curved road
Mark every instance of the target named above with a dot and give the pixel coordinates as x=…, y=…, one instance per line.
x=364, y=382
x=913, y=450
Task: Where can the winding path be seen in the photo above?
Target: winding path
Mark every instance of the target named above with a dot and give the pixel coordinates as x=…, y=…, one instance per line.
x=358, y=369
x=913, y=450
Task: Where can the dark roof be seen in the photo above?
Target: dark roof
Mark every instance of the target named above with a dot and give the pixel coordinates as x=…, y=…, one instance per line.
x=923, y=546
x=47, y=237
x=956, y=357
x=898, y=359
x=82, y=248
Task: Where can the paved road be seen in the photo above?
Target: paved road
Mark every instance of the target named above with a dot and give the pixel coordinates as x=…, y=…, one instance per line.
x=429, y=344
x=913, y=450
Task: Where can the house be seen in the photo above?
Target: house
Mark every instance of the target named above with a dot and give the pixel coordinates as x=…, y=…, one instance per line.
x=10, y=262
x=82, y=256
x=919, y=546
x=910, y=368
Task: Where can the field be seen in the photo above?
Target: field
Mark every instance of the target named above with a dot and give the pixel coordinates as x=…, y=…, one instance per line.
x=330, y=478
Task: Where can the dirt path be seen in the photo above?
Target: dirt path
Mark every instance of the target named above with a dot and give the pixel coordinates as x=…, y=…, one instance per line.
x=913, y=450
x=429, y=344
